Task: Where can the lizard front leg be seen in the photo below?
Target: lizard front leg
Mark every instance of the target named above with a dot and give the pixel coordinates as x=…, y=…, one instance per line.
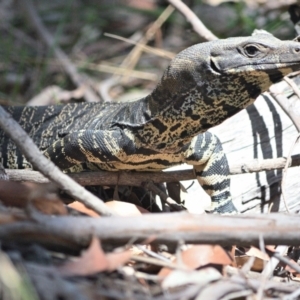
x=96, y=146
x=206, y=154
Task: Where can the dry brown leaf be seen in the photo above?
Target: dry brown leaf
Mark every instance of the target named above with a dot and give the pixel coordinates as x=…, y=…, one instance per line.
x=253, y=251
x=83, y=209
x=232, y=254
x=94, y=260
x=259, y=262
x=197, y=256
x=121, y=208
x=50, y=207
x=200, y=255
x=257, y=266
x=6, y=219
x=42, y=196
x=117, y=259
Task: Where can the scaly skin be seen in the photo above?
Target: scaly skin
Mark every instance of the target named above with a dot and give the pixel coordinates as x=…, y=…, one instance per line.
x=203, y=86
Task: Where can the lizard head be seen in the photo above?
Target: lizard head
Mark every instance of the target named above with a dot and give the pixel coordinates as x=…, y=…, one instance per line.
x=241, y=67
x=260, y=58
x=214, y=80
x=245, y=67
x=253, y=63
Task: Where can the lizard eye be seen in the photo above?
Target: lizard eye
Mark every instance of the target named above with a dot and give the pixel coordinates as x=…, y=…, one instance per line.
x=251, y=50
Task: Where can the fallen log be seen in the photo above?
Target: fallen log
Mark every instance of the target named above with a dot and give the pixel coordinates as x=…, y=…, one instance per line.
x=74, y=233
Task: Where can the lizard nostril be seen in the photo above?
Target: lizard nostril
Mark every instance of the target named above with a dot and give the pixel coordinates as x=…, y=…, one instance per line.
x=297, y=50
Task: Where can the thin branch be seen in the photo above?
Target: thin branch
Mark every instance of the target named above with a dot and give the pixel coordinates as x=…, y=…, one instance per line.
x=156, y=51
x=118, y=70
x=293, y=85
x=164, y=197
x=293, y=295
x=295, y=118
x=46, y=167
x=273, y=262
x=54, y=93
x=282, y=101
x=258, y=165
x=285, y=172
x=107, y=178
x=162, y=227
x=288, y=262
x=155, y=261
x=191, y=17
x=132, y=58
x=47, y=38
x=138, y=178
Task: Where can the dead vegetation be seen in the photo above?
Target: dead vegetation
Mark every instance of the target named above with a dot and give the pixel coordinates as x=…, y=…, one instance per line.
x=54, y=248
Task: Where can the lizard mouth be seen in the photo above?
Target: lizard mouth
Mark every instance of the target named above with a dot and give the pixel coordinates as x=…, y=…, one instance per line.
x=294, y=66
x=267, y=68
x=283, y=68
x=287, y=64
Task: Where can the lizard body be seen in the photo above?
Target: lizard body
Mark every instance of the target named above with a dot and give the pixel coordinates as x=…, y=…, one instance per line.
x=203, y=86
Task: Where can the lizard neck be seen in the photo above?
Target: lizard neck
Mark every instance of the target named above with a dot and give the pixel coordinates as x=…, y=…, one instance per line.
x=193, y=108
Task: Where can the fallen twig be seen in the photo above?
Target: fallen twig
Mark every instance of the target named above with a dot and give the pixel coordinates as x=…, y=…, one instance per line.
x=283, y=103
x=137, y=178
x=46, y=167
x=292, y=265
x=132, y=58
x=198, y=26
x=293, y=295
x=295, y=118
x=54, y=93
x=273, y=262
x=74, y=233
x=285, y=173
x=258, y=165
x=164, y=197
x=118, y=70
x=145, y=48
x=155, y=261
x=292, y=84
x=48, y=39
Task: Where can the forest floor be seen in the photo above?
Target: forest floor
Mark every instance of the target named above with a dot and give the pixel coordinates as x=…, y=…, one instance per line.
x=53, y=248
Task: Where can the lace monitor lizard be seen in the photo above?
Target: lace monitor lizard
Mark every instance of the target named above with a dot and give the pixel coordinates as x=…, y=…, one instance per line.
x=204, y=85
